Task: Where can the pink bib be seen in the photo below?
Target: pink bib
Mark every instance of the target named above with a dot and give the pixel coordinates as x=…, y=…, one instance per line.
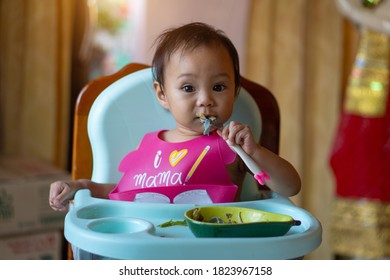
x=174, y=168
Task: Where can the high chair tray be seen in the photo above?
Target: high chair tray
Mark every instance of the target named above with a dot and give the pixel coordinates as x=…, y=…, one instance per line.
x=128, y=230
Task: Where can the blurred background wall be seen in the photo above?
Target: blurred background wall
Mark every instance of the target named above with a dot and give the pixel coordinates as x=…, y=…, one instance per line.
x=301, y=50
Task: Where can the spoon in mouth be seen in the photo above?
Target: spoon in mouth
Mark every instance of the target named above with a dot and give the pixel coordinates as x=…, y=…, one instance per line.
x=209, y=122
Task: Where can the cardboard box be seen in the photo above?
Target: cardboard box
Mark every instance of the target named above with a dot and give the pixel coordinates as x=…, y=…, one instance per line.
x=24, y=193
x=38, y=246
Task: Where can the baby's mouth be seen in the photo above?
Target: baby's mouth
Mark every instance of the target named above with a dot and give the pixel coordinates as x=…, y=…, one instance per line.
x=203, y=118
x=208, y=122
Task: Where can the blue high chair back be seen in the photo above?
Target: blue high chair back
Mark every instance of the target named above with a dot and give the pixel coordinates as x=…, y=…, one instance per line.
x=123, y=113
x=123, y=110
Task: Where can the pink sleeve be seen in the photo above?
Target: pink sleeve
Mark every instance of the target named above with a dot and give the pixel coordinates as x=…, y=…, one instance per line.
x=128, y=158
x=124, y=164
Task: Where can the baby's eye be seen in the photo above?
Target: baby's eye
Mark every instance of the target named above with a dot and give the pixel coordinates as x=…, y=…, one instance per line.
x=188, y=88
x=219, y=88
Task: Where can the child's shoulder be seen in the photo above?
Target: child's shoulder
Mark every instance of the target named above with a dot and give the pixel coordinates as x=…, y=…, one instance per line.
x=153, y=134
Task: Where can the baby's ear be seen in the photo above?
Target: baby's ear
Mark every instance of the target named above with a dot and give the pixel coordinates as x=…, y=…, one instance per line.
x=161, y=97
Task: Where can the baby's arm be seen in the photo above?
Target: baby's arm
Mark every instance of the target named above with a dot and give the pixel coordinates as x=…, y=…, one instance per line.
x=284, y=179
x=63, y=191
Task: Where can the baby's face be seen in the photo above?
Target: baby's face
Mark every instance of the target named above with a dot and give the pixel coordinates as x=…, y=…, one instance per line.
x=199, y=82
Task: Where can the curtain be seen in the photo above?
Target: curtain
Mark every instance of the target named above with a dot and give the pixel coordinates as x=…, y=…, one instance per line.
x=295, y=49
x=34, y=79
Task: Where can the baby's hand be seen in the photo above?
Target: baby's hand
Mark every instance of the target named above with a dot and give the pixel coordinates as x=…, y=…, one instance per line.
x=60, y=194
x=239, y=134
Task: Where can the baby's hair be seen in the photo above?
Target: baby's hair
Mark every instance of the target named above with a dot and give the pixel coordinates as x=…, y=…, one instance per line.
x=187, y=38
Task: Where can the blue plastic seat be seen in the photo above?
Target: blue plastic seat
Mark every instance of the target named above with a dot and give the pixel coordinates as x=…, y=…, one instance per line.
x=127, y=110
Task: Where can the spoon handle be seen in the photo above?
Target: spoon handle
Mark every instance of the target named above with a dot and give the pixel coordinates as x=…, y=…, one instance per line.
x=259, y=175
x=250, y=163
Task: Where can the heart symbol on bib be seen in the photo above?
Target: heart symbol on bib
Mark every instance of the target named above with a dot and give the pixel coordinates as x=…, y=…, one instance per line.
x=176, y=156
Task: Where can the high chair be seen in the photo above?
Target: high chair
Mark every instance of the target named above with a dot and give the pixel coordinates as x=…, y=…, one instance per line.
x=118, y=110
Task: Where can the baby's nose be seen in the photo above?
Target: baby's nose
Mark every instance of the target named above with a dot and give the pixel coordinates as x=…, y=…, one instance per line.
x=205, y=99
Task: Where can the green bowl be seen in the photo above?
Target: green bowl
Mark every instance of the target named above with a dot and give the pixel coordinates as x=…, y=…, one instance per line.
x=222, y=221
